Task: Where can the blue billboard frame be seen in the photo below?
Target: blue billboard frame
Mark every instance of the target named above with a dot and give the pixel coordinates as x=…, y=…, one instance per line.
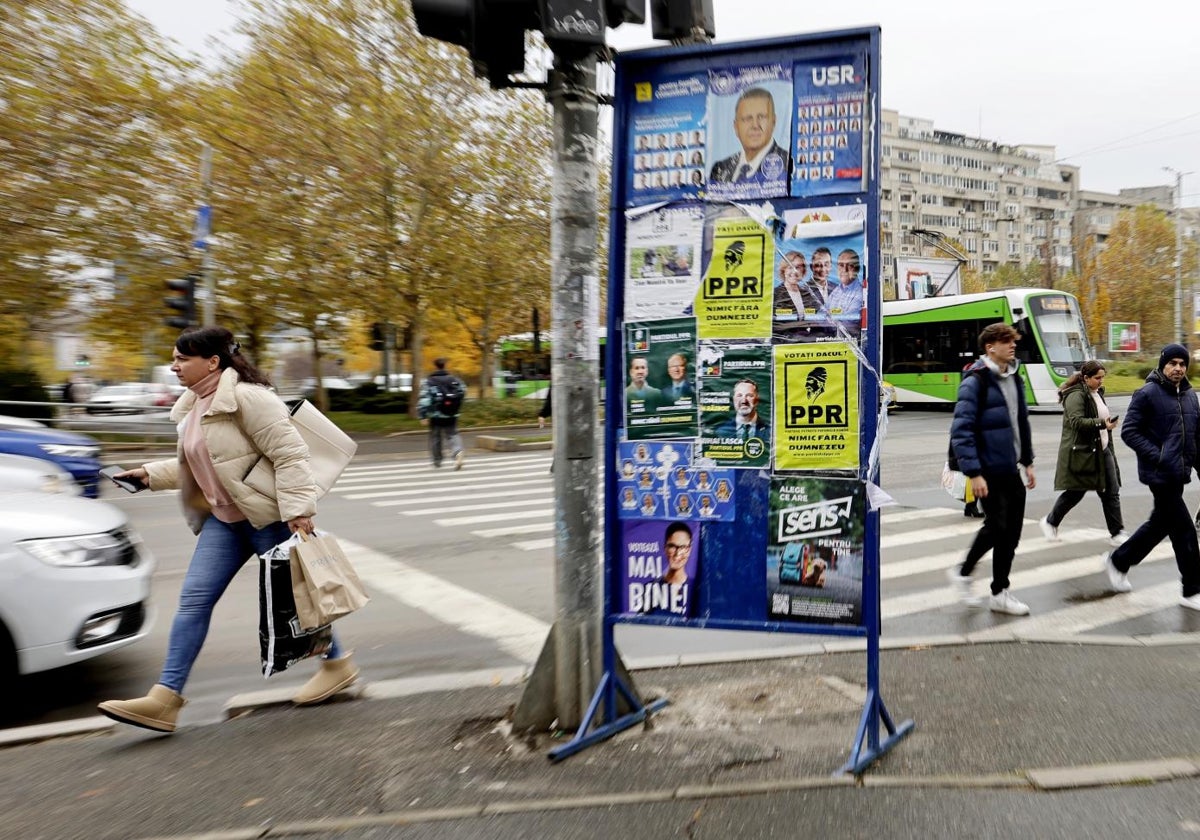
x=732, y=604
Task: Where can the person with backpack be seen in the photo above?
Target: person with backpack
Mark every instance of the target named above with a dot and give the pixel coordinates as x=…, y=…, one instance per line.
x=991, y=442
x=441, y=400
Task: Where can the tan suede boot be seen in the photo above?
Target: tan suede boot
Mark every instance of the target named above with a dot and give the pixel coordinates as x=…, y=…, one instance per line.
x=334, y=675
x=157, y=710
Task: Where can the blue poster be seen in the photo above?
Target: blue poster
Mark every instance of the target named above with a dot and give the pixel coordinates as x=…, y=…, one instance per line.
x=750, y=118
x=827, y=143
x=666, y=139
x=657, y=480
x=660, y=562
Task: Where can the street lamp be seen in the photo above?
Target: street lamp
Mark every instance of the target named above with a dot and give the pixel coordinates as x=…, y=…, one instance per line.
x=1179, y=334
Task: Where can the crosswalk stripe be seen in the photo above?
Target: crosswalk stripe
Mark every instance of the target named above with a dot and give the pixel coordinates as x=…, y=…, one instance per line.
x=540, y=483
x=455, y=521
x=514, y=530
x=1083, y=617
x=534, y=545
x=933, y=562
x=482, y=494
x=492, y=505
x=916, y=514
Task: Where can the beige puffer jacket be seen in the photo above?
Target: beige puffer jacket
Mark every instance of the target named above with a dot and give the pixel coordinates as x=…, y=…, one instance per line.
x=244, y=423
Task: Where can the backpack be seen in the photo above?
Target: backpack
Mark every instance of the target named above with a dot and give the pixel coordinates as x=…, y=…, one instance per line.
x=447, y=397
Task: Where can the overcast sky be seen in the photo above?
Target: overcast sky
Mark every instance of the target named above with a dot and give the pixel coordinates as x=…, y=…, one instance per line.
x=1111, y=87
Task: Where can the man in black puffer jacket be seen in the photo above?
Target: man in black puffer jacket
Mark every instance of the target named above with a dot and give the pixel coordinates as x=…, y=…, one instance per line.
x=1162, y=426
x=991, y=441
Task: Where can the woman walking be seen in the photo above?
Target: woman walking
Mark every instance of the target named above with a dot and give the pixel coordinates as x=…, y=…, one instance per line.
x=228, y=419
x=1086, y=460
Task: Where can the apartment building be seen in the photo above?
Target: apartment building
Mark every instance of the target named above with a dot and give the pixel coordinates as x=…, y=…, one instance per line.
x=1004, y=204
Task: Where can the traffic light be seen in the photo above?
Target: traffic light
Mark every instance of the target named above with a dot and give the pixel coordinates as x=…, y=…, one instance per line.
x=624, y=11
x=184, y=302
x=671, y=19
x=377, y=336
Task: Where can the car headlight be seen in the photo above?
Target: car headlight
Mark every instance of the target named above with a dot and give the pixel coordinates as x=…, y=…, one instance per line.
x=70, y=450
x=114, y=548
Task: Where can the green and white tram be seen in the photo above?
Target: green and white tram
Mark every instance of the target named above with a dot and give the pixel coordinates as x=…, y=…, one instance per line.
x=927, y=342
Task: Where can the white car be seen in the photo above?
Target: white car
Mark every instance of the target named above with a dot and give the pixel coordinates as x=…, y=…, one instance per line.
x=132, y=398
x=74, y=581
x=20, y=472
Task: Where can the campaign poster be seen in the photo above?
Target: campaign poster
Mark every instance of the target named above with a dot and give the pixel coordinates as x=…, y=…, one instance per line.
x=735, y=403
x=660, y=397
x=662, y=261
x=663, y=471
x=815, y=550
x=925, y=277
x=829, y=140
x=1124, y=337
x=660, y=562
x=667, y=139
x=820, y=286
x=750, y=118
x=816, y=407
x=734, y=298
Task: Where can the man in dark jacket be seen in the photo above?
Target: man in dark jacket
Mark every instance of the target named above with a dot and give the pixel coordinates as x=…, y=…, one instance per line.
x=991, y=441
x=442, y=419
x=1162, y=427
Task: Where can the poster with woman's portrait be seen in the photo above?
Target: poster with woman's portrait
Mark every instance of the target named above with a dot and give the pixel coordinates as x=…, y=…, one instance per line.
x=660, y=562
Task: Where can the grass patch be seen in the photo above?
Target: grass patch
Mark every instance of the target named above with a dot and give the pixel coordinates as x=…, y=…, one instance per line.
x=475, y=414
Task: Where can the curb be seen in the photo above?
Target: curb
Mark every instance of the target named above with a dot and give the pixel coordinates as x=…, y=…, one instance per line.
x=1042, y=780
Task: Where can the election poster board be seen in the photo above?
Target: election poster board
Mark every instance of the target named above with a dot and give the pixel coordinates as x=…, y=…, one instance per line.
x=744, y=318
x=1124, y=337
x=924, y=277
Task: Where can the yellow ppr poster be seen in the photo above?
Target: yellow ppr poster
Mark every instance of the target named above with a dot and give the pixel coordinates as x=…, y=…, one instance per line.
x=734, y=300
x=816, y=406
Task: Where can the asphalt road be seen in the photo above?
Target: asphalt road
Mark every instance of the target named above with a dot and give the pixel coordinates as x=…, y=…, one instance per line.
x=432, y=582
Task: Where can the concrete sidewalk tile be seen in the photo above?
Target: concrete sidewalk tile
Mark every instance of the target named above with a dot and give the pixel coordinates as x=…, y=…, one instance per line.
x=408, y=686
x=59, y=729
x=1077, y=639
x=766, y=786
x=1165, y=639
x=999, y=638
x=1097, y=775
x=570, y=803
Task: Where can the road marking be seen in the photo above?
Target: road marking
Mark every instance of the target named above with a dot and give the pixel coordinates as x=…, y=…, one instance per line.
x=518, y=634
x=933, y=562
x=494, y=517
x=1083, y=617
x=385, y=500
x=514, y=530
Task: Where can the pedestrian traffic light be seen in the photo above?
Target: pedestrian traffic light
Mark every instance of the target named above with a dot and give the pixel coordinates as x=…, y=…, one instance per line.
x=184, y=302
x=671, y=19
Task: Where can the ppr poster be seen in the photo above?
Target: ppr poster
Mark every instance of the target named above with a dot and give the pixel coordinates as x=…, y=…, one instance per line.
x=815, y=550
x=660, y=565
x=734, y=299
x=816, y=406
x=735, y=403
x=662, y=262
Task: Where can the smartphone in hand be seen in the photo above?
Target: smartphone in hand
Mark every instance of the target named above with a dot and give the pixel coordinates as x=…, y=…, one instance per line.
x=126, y=483
x=1114, y=417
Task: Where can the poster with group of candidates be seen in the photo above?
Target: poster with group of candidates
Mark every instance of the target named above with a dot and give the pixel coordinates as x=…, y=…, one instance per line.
x=815, y=550
x=660, y=479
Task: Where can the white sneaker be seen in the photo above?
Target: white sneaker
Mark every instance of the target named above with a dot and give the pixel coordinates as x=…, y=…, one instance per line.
x=458, y=460
x=1118, y=581
x=1048, y=531
x=1192, y=602
x=1006, y=603
x=1118, y=538
x=961, y=584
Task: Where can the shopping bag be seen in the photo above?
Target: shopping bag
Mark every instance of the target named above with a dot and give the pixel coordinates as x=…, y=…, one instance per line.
x=324, y=584
x=282, y=641
x=956, y=484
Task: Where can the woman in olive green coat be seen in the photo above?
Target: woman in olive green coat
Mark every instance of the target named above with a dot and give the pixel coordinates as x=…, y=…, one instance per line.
x=1086, y=460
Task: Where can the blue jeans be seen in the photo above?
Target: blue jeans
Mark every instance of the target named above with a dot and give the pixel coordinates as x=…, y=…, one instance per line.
x=221, y=551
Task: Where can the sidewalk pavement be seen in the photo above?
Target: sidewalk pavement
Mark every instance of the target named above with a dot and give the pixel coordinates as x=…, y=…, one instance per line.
x=1013, y=717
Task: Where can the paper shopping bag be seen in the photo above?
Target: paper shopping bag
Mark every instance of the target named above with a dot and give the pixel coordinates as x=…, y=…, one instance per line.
x=325, y=585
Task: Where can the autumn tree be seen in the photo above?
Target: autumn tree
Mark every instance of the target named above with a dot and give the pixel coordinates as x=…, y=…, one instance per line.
x=1136, y=270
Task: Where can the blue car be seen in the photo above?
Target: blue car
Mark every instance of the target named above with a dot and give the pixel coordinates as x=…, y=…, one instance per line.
x=77, y=454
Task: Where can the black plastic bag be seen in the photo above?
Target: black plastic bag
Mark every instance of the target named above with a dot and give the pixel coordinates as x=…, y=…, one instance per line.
x=281, y=641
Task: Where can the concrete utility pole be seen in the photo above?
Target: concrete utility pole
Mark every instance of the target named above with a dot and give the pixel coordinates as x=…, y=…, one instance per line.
x=569, y=667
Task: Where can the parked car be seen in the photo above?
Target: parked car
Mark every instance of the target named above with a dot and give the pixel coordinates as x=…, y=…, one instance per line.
x=20, y=472
x=331, y=383
x=132, y=398
x=74, y=581
x=78, y=454
x=401, y=382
